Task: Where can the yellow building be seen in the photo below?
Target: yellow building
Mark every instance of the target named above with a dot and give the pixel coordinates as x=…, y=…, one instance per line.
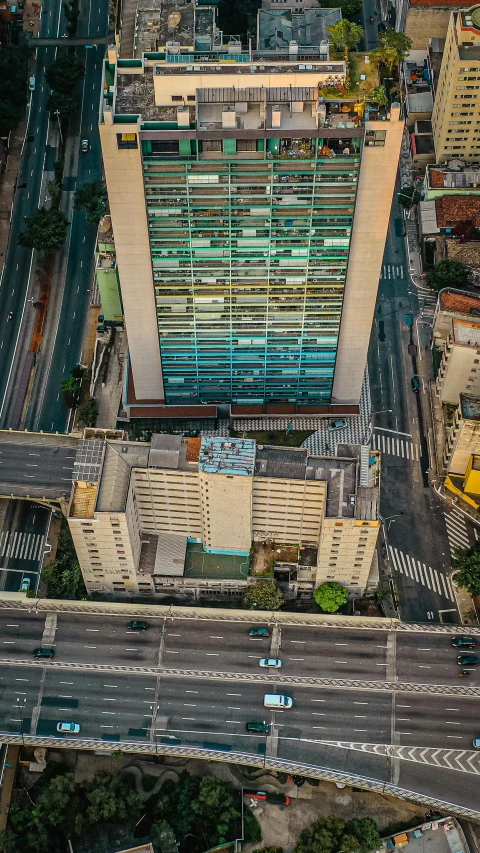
x=457, y=103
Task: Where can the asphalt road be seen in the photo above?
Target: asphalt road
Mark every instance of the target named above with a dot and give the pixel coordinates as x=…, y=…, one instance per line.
x=412, y=511
x=35, y=469
x=22, y=545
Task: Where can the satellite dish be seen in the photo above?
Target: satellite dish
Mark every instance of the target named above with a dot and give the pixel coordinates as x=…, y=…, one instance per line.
x=174, y=19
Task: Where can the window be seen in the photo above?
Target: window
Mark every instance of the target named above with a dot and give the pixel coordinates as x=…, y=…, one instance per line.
x=190, y=97
x=376, y=137
x=127, y=140
x=177, y=97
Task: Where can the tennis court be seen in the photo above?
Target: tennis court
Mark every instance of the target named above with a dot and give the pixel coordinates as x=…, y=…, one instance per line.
x=230, y=567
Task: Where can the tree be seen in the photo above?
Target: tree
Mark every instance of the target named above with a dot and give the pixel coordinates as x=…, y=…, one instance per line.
x=365, y=833
x=263, y=595
x=350, y=8
x=112, y=799
x=378, y=96
x=448, y=273
x=87, y=414
x=163, y=836
x=53, y=189
x=64, y=74
x=72, y=14
x=45, y=231
x=322, y=836
x=217, y=807
x=330, y=596
x=392, y=48
x=408, y=196
x=63, y=577
x=269, y=849
x=345, y=34
x=467, y=562
x=13, y=74
x=93, y=199
x=70, y=389
x=58, y=102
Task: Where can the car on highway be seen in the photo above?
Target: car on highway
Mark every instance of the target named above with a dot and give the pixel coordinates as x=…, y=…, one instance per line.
x=277, y=701
x=84, y=146
x=137, y=625
x=43, y=653
x=259, y=631
x=68, y=728
x=275, y=663
x=467, y=660
x=476, y=743
x=464, y=642
x=31, y=84
x=263, y=728
x=25, y=584
x=415, y=383
x=340, y=424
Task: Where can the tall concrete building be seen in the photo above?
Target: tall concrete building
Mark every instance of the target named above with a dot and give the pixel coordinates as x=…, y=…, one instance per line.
x=456, y=112
x=250, y=202
x=189, y=518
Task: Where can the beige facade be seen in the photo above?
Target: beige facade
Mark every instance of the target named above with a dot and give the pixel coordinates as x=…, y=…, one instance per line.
x=376, y=185
x=459, y=371
x=457, y=104
x=463, y=437
x=131, y=526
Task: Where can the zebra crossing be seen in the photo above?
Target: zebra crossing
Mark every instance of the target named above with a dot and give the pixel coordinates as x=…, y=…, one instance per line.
x=456, y=531
x=419, y=572
x=20, y=546
x=392, y=272
x=389, y=444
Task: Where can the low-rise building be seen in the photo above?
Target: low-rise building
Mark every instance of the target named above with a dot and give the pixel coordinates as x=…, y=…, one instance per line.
x=460, y=366
x=463, y=436
x=181, y=517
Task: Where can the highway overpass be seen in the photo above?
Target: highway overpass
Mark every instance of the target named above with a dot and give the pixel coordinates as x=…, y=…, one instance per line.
x=376, y=704
x=36, y=465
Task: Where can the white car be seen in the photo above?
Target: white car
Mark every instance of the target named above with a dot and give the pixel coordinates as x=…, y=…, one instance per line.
x=68, y=728
x=84, y=146
x=276, y=663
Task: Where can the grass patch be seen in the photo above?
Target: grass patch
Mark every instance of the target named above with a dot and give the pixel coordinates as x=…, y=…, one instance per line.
x=277, y=437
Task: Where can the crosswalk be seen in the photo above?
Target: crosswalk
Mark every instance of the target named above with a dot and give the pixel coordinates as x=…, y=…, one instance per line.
x=402, y=447
x=392, y=271
x=456, y=531
x=421, y=573
x=21, y=546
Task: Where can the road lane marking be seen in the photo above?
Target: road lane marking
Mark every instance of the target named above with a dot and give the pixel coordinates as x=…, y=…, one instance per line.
x=212, y=654
x=341, y=661
x=360, y=730
x=89, y=647
x=116, y=685
x=215, y=638
x=26, y=679
x=319, y=700
x=169, y=652
x=424, y=666
x=233, y=721
x=67, y=682
x=13, y=626
x=341, y=644
x=359, y=716
x=296, y=658
x=8, y=642
x=174, y=635
x=92, y=629
x=403, y=706
x=299, y=641
x=452, y=709
x=65, y=697
x=450, y=723
x=189, y=705
x=186, y=691
x=457, y=737
x=318, y=714
x=403, y=719
x=360, y=703
x=189, y=718
x=228, y=694
x=107, y=699
x=110, y=713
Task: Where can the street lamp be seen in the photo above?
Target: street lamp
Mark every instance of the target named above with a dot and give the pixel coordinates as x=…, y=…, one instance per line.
x=154, y=712
x=20, y=707
x=390, y=518
x=57, y=113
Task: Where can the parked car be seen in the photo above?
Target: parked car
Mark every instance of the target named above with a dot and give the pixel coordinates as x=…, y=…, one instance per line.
x=43, y=653
x=476, y=743
x=416, y=385
x=259, y=631
x=68, y=728
x=263, y=728
x=340, y=424
x=137, y=625
x=275, y=663
x=464, y=642
x=467, y=660
x=25, y=584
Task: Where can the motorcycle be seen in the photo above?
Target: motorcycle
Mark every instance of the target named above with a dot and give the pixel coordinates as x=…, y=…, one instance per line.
x=10, y=316
x=463, y=673
x=372, y=19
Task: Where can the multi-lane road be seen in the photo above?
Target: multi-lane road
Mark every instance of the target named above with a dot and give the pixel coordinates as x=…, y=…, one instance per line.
x=188, y=683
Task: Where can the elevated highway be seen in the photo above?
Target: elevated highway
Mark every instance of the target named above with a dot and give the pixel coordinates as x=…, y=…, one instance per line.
x=376, y=703
x=36, y=465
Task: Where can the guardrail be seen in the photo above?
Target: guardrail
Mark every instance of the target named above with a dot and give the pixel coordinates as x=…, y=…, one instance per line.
x=280, y=764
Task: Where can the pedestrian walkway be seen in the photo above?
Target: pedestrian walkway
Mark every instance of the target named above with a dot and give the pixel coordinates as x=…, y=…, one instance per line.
x=21, y=546
x=392, y=271
x=390, y=445
x=456, y=531
x=422, y=574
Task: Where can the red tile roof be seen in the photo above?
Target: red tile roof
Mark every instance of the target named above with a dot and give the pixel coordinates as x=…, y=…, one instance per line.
x=452, y=300
x=440, y=4
x=457, y=208
x=436, y=178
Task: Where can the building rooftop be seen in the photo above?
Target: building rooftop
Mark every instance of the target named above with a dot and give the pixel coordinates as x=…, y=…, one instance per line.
x=84, y=498
x=459, y=302
x=466, y=334
x=164, y=451
x=120, y=458
x=470, y=407
x=454, y=176
x=422, y=143
x=452, y=209
x=467, y=252
x=227, y=456
x=277, y=28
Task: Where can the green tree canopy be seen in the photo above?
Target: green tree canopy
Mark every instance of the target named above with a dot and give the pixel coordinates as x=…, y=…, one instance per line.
x=87, y=414
x=65, y=105
x=330, y=596
x=379, y=96
x=163, y=836
x=345, y=34
x=467, y=561
x=63, y=577
x=93, y=199
x=364, y=831
x=72, y=13
x=64, y=74
x=322, y=836
x=448, y=273
x=112, y=799
x=13, y=90
x=216, y=807
x=263, y=595
x=46, y=231
x=70, y=388
x=409, y=196
x=392, y=48
x=350, y=8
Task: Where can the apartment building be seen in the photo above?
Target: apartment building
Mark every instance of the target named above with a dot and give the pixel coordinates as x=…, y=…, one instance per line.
x=456, y=112
x=463, y=435
x=250, y=202
x=460, y=366
x=164, y=518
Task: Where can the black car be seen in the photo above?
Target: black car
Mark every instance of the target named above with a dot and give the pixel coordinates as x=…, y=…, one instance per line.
x=467, y=660
x=464, y=642
x=137, y=625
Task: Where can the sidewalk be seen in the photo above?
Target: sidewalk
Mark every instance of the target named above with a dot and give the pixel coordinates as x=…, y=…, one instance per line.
x=11, y=761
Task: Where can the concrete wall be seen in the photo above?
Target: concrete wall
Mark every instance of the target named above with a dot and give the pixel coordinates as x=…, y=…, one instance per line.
x=378, y=173
x=168, y=501
x=124, y=177
x=346, y=552
x=227, y=511
x=288, y=510
x=107, y=555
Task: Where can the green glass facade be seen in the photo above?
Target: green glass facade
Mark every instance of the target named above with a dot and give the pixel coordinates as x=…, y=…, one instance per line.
x=249, y=244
